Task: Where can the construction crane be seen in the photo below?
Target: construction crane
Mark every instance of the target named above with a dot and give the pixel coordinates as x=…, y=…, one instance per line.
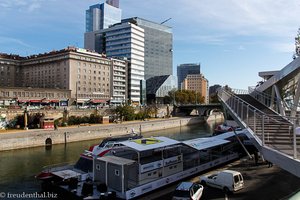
x=166, y=21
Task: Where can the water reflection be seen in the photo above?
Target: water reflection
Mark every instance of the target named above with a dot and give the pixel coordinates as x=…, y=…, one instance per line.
x=18, y=167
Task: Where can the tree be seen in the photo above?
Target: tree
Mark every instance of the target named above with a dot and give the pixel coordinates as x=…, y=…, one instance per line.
x=125, y=112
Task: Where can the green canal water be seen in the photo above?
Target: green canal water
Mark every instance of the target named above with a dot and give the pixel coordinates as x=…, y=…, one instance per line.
x=18, y=167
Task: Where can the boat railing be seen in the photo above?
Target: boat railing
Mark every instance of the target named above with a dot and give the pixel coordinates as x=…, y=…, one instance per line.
x=256, y=120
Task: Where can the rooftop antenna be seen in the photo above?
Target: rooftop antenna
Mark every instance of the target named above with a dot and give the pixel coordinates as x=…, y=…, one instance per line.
x=166, y=20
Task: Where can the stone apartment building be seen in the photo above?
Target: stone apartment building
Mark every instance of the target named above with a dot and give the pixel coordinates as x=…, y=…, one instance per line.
x=91, y=77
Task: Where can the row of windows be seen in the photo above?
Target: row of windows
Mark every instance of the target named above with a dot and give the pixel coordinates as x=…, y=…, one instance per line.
x=84, y=89
x=94, y=72
x=95, y=66
x=99, y=84
x=34, y=94
x=106, y=62
x=89, y=95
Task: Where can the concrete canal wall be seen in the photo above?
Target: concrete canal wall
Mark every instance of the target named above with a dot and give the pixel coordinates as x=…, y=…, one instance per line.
x=34, y=138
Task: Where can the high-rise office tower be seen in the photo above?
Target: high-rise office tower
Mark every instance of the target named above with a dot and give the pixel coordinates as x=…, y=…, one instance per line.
x=184, y=69
x=158, y=47
x=114, y=3
x=101, y=16
x=122, y=40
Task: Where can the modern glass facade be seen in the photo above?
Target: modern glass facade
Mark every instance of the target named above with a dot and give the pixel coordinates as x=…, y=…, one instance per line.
x=119, y=41
x=158, y=47
x=184, y=69
x=159, y=86
x=101, y=16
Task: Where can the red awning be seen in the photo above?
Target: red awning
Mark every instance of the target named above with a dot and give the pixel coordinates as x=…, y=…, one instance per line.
x=45, y=101
x=98, y=101
x=34, y=100
x=54, y=100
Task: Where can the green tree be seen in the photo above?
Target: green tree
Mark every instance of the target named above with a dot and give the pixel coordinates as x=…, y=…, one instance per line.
x=125, y=112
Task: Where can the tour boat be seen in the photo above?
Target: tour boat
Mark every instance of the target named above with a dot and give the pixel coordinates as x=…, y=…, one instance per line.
x=228, y=126
x=142, y=165
x=84, y=165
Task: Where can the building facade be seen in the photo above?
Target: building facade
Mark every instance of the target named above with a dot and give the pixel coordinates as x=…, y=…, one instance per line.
x=19, y=95
x=158, y=47
x=159, y=86
x=124, y=40
x=88, y=75
x=9, y=70
x=197, y=83
x=184, y=69
x=101, y=16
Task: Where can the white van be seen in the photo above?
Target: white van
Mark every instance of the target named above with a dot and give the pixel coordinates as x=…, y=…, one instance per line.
x=227, y=180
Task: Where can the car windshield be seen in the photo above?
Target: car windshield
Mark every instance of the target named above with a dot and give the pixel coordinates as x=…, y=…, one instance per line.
x=181, y=193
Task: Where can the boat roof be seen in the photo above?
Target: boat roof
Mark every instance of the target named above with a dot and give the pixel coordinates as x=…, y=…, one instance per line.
x=66, y=174
x=116, y=160
x=204, y=143
x=228, y=134
x=145, y=144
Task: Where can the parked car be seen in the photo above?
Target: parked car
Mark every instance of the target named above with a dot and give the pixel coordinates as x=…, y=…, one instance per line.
x=227, y=180
x=187, y=191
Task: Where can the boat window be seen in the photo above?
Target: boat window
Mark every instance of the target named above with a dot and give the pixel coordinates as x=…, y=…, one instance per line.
x=109, y=145
x=98, y=167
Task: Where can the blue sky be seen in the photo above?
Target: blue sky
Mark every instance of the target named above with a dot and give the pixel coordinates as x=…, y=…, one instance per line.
x=232, y=39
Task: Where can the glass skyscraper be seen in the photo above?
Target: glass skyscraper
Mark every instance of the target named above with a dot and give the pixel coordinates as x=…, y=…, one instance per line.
x=158, y=47
x=119, y=41
x=184, y=69
x=101, y=16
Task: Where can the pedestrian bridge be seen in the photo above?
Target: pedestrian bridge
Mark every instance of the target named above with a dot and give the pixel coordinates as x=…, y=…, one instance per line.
x=274, y=135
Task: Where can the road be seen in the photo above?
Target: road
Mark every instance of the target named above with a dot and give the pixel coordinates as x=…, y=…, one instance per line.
x=261, y=183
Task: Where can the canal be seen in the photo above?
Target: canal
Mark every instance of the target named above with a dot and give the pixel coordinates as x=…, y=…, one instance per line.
x=18, y=167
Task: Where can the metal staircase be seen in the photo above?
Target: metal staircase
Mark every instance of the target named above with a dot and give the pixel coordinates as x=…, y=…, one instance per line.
x=272, y=134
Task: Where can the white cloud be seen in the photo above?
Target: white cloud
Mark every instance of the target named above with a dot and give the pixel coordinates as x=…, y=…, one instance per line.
x=21, y=5
x=9, y=40
x=245, y=17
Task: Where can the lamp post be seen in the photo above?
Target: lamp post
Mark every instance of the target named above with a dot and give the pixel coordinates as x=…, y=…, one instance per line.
x=76, y=94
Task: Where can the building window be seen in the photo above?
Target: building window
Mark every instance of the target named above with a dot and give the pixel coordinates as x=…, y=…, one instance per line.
x=98, y=167
x=117, y=172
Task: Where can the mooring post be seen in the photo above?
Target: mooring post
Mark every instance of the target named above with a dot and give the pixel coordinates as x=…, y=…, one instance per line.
x=65, y=133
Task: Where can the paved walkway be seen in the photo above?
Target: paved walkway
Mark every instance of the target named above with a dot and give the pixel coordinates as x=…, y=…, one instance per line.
x=261, y=183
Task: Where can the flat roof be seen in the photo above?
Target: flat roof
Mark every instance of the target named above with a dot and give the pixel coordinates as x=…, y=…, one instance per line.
x=204, y=143
x=65, y=174
x=145, y=144
x=228, y=134
x=116, y=160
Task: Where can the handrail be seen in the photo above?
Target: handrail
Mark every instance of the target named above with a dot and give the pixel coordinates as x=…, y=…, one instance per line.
x=258, y=121
x=254, y=108
x=240, y=91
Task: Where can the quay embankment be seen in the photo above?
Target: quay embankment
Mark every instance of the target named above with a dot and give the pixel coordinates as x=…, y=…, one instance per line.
x=41, y=137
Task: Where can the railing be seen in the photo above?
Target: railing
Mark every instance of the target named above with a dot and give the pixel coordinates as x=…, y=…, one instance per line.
x=254, y=119
x=266, y=100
